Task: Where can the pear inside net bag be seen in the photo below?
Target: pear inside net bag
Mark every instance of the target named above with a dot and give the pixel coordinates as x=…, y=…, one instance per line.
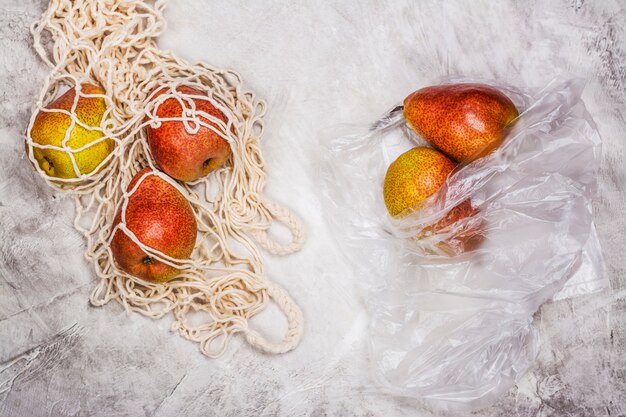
x=456, y=329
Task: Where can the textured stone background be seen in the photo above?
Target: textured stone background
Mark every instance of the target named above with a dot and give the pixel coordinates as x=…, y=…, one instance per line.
x=318, y=63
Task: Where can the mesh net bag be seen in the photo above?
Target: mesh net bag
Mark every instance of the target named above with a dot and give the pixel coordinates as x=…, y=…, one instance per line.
x=103, y=54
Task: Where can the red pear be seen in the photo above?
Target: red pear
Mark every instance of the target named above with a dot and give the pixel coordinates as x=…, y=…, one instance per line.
x=464, y=121
x=466, y=237
x=183, y=155
x=162, y=219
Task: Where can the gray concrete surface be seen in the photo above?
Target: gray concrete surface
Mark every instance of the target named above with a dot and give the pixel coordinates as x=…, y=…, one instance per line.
x=318, y=63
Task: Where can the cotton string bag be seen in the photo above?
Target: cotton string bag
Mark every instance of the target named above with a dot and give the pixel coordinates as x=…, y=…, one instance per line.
x=112, y=43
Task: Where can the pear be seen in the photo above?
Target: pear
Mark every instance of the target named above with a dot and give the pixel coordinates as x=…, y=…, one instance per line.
x=413, y=177
x=182, y=155
x=162, y=219
x=464, y=121
x=50, y=128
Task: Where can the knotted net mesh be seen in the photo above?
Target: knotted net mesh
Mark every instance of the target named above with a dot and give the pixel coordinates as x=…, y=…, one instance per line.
x=112, y=44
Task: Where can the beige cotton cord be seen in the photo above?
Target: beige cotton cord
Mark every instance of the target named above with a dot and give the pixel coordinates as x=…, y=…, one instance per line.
x=112, y=43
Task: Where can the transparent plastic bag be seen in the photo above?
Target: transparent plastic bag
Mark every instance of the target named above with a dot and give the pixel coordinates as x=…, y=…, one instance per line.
x=455, y=327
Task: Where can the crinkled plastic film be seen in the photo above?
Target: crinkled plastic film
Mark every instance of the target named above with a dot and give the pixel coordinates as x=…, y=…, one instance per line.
x=455, y=327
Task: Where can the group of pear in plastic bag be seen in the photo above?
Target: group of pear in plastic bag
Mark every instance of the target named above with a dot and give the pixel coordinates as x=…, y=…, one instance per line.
x=88, y=137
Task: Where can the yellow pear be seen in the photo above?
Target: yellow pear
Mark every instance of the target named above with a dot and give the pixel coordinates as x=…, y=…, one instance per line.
x=418, y=174
x=50, y=128
x=414, y=176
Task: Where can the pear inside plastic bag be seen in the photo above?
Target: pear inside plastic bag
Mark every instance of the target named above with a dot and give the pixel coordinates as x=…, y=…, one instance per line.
x=456, y=329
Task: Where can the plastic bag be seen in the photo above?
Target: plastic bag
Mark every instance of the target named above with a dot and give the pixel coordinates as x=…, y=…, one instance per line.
x=457, y=330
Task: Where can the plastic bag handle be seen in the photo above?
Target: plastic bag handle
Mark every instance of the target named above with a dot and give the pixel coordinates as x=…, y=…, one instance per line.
x=295, y=324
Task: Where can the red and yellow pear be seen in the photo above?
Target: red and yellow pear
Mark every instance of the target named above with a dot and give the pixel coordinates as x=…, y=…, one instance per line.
x=50, y=128
x=162, y=219
x=413, y=177
x=183, y=155
x=464, y=121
